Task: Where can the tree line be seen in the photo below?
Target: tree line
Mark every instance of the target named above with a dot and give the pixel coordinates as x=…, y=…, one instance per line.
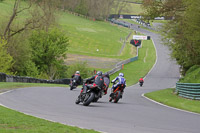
x=182, y=32
x=96, y=9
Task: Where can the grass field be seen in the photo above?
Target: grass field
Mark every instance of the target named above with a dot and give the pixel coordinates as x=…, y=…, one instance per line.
x=86, y=36
x=167, y=97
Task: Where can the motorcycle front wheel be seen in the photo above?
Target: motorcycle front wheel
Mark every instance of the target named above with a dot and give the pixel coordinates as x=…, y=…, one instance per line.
x=88, y=98
x=78, y=100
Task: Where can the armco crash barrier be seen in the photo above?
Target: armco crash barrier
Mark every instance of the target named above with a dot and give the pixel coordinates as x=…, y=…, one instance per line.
x=188, y=90
x=120, y=64
x=9, y=78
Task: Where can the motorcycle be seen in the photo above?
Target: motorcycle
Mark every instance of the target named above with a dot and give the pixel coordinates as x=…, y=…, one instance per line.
x=73, y=84
x=89, y=93
x=117, y=93
x=141, y=83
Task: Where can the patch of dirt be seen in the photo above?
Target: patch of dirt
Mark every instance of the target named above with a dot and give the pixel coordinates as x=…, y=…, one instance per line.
x=96, y=62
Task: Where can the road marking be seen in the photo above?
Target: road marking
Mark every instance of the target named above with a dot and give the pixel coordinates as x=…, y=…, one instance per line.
x=146, y=55
x=156, y=59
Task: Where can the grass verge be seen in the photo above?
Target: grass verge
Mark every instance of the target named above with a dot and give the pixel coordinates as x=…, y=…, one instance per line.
x=167, y=97
x=4, y=86
x=16, y=122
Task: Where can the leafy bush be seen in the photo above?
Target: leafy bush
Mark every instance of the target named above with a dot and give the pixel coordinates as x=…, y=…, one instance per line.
x=6, y=61
x=48, y=52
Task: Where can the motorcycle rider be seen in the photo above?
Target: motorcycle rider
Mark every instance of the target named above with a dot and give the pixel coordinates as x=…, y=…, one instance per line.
x=121, y=80
x=141, y=80
x=106, y=78
x=77, y=77
x=96, y=80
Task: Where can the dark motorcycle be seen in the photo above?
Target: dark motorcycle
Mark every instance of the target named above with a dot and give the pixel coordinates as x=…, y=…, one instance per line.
x=141, y=83
x=117, y=93
x=73, y=84
x=89, y=93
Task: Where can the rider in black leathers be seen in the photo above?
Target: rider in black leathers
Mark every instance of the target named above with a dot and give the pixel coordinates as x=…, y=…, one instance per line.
x=77, y=77
x=96, y=80
x=106, y=78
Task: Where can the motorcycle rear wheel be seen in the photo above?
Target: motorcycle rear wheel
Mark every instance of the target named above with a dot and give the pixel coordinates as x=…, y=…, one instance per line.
x=117, y=97
x=89, y=99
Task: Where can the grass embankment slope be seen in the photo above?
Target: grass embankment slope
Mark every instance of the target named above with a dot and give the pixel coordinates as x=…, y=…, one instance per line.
x=168, y=97
x=86, y=36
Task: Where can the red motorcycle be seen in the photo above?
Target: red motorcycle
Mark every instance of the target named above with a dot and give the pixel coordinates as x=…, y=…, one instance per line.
x=117, y=93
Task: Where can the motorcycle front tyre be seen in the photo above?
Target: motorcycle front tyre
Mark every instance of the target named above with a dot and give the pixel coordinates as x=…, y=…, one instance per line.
x=87, y=101
x=78, y=100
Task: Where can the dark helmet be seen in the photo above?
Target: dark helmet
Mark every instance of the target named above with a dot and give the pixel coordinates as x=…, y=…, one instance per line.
x=106, y=75
x=99, y=73
x=121, y=74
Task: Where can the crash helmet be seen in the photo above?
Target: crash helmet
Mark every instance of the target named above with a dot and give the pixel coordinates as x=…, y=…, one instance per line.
x=121, y=74
x=77, y=72
x=106, y=75
x=99, y=73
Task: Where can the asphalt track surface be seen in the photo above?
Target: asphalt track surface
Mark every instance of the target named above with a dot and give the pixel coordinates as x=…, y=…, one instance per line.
x=133, y=113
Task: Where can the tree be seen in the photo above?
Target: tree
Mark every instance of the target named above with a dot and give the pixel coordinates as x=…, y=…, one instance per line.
x=49, y=51
x=97, y=9
x=159, y=8
x=182, y=32
x=6, y=61
x=17, y=27
x=41, y=16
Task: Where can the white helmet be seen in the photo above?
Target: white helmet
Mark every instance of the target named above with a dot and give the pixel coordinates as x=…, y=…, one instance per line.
x=77, y=72
x=121, y=74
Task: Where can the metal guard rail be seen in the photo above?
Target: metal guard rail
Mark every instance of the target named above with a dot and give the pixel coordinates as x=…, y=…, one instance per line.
x=188, y=90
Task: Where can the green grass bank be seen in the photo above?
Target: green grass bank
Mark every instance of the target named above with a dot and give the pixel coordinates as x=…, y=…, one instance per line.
x=14, y=122
x=168, y=97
